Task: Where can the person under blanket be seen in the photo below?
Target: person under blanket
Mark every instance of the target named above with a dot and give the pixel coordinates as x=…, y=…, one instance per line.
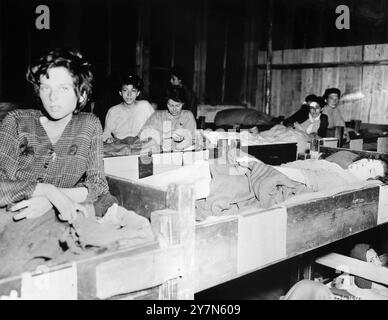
x=51, y=158
x=246, y=181
x=233, y=188
x=281, y=133
x=322, y=174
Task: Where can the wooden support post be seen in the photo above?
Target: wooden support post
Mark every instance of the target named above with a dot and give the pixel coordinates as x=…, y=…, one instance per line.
x=109, y=40
x=356, y=144
x=249, y=77
x=225, y=59
x=176, y=226
x=200, y=49
x=143, y=45
x=268, y=73
x=382, y=145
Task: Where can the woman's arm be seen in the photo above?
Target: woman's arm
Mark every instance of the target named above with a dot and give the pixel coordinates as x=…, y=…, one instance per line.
x=11, y=190
x=152, y=128
x=109, y=126
x=94, y=181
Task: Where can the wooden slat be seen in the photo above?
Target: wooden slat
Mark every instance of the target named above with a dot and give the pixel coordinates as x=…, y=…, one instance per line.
x=215, y=252
x=356, y=267
x=324, y=221
x=137, y=197
x=382, y=145
x=134, y=273
x=181, y=199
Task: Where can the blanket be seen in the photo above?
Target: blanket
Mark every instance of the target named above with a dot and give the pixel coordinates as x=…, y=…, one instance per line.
x=27, y=244
x=261, y=186
x=124, y=147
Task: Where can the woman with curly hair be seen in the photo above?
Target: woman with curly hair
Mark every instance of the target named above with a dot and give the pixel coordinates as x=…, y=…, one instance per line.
x=52, y=156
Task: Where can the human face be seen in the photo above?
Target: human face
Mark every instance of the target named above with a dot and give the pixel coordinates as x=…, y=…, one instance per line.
x=174, y=80
x=365, y=169
x=315, y=109
x=332, y=100
x=129, y=94
x=371, y=256
x=174, y=107
x=57, y=93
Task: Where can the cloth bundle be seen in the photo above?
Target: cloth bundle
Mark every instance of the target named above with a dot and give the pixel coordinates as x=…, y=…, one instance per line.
x=124, y=147
x=26, y=244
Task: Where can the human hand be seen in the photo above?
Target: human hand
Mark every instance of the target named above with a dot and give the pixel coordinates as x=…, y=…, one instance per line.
x=31, y=208
x=67, y=208
x=109, y=140
x=254, y=130
x=177, y=137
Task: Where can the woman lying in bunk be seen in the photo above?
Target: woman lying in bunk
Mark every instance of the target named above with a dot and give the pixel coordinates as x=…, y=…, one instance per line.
x=171, y=129
x=52, y=158
x=246, y=181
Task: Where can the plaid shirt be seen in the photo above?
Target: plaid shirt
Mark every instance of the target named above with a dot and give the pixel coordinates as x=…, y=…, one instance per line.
x=27, y=156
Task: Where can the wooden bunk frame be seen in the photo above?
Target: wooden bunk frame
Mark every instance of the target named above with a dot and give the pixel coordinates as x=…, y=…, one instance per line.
x=224, y=246
x=189, y=257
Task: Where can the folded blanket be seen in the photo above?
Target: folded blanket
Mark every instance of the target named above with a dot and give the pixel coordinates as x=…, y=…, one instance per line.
x=261, y=185
x=271, y=186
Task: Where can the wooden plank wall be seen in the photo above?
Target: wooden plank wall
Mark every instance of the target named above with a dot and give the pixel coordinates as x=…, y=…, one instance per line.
x=289, y=87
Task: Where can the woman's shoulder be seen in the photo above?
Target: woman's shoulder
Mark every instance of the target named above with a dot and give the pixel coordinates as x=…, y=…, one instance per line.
x=24, y=113
x=88, y=119
x=20, y=116
x=116, y=108
x=143, y=103
x=187, y=114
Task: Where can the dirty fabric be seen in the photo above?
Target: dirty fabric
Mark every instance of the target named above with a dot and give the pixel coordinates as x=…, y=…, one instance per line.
x=123, y=226
x=26, y=244
x=124, y=147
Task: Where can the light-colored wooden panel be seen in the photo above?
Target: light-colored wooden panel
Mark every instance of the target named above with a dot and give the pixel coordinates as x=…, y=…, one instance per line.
x=138, y=272
x=356, y=267
x=255, y=232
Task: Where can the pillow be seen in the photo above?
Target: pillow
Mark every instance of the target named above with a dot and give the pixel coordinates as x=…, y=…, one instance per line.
x=342, y=158
x=247, y=117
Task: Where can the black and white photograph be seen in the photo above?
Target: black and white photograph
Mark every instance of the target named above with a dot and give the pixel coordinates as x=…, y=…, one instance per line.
x=204, y=152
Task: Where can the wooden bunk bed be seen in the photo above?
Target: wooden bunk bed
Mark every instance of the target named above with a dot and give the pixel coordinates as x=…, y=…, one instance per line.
x=189, y=257
x=231, y=246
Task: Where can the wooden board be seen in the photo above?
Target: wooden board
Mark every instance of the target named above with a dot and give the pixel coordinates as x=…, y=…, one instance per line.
x=137, y=197
x=324, y=221
x=290, y=86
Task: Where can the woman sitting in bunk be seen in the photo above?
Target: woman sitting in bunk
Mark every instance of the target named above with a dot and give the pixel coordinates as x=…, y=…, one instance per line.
x=171, y=129
x=51, y=158
x=316, y=122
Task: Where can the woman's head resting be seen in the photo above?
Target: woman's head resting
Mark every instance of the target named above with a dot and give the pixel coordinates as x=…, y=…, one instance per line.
x=365, y=169
x=62, y=79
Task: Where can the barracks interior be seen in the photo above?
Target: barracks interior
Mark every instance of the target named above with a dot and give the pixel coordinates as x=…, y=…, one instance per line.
x=194, y=150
